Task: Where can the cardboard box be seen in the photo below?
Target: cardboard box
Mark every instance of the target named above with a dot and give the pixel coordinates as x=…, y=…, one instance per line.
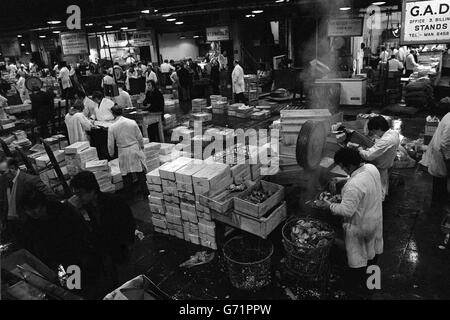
x=153, y=177
x=167, y=170
x=77, y=147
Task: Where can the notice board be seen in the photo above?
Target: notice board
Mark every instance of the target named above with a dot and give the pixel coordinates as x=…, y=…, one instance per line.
x=345, y=27
x=425, y=22
x=74, y=43
x=218, y=34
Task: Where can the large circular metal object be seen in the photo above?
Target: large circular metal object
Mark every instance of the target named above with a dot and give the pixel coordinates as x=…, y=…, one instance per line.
x=310, y=144
x=32, y=82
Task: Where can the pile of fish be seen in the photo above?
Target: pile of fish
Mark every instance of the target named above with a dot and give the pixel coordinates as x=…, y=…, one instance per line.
x=258, y=196
x=337, y=198
x=310, y=234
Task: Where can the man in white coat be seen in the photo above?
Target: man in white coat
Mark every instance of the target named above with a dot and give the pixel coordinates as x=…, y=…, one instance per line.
x=237, y=78
x=77, y=124
x=361, y=210
x=382, y=154
x=130, y=144
x=437, y=159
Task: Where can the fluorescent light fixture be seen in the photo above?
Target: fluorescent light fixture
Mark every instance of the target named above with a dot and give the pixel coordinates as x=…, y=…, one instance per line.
x=279, y=1
x=166, y=15
x=257, y=11
x=124, y=28
x=171, y=19
x=108, y=27
x=179, y=22
x=54, y=22
x=42, y=37
x=195, y=37
x=250, y=16
x=56, y=32
x=379, y=3
x=89, y=24
x=345, y=8
x=155, y=11
x=19, y=36
x=145, y=11
x=22, y=44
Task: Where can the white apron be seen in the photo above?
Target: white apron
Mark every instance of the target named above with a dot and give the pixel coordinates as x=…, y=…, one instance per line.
x=131, y=159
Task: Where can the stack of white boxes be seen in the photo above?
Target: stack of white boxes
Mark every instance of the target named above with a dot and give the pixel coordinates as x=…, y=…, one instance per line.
x=116, y=174
x=165, y=152
x=102, y=172
x=151, y=151
x=174, y=190
x=77, y=155
x=199, y=105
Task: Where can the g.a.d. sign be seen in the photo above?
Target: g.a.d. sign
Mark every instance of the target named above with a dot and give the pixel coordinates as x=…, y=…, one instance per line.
x=217, y=34
x=142, y=38
x=425, y=22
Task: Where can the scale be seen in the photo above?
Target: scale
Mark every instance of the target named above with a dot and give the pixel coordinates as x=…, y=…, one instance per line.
x=33, y=82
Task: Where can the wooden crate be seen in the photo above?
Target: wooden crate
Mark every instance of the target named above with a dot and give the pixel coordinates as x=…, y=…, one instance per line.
x=261, y=227
x=259, y=210
x=222, y=202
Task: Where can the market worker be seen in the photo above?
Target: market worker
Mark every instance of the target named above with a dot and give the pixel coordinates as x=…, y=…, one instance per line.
x=131, y=74
x=20, y=86
x=410, y=63
x=123, y=100
x=110, y=219
x=394, y=64
x=103, y=111
x=166, y=70
x=77, y=124
x=14, y=185
x=237, y=78
x=361, y=210
x=384, y=54
x=154, y=101
x=151, y=74
x=107, y=78
x=130, y=144
x=437, y=159
x=42, y=109
x=382, y=154
x=66, y=83
x=90, y=107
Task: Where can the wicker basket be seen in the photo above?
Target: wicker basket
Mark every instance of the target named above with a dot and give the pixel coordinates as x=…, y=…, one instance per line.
x=304, y=261
x=249, y=262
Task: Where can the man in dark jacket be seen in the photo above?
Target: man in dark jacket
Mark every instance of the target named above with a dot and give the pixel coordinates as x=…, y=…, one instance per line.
x=185, y=81
x=110, y=219
x=15, y=185
x=155, y=102
x=42, y=108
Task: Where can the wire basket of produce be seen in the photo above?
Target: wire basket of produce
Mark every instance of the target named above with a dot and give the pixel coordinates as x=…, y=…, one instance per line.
x=249, y=262
x=307, y=243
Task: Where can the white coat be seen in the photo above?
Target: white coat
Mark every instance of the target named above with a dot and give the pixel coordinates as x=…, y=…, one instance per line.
x=361, y=209
x=237, y=78
x=130, y=143
x=123, y=100
x=382, y=155
x=64, y=75
x=90, y=108
x=103, y=113
x=77, y=124
x=438, y=148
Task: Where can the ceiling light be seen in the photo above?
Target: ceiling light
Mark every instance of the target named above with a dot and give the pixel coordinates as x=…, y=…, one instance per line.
x=56, y=32
x=250, y=16
x=108, y=27
x=19, y=36
x=22, y=44
x=145, y=11
x=379, y=3
x=89, y=24
x=257, y=11
x=195, y=37
x=279, y=1
x=171, y=19
x=42, y=37
x=155, y=11
x=124, y=28
x=179, y=22
x=54, y=22
x=345, y=8
x=166, y=15
x=182, y=37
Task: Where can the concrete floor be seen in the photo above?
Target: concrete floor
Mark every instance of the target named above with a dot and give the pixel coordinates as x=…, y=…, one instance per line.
x=412, y=266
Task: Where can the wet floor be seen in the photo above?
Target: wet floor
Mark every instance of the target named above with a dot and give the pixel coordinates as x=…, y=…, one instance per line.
x=412, y=266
